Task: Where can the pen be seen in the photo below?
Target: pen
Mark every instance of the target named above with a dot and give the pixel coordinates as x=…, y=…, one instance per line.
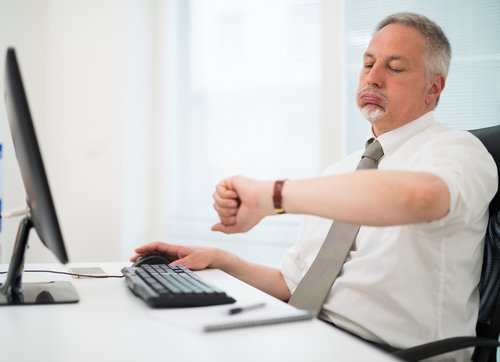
x=238, y=310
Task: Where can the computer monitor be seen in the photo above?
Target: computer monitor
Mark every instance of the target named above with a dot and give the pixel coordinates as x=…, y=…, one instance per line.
x=40, y=211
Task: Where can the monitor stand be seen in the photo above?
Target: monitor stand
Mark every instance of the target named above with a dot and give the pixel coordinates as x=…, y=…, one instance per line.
x=14, y=292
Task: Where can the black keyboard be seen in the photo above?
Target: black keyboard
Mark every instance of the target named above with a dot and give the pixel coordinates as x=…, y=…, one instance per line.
x=164, y=286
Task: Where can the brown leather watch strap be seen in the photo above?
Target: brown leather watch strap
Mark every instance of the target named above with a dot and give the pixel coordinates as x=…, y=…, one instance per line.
x=277, y=197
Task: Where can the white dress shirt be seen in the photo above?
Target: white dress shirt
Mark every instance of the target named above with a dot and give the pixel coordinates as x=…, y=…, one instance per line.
x=409, y=284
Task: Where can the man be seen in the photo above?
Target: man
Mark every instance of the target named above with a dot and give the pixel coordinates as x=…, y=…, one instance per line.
x=412, y=273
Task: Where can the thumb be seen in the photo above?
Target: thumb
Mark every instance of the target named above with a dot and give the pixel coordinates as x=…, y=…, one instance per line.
x=220, y=227
x=226, y=229
x=217, y=227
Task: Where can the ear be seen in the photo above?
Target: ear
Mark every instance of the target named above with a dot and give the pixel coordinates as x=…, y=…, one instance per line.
x=436, y=86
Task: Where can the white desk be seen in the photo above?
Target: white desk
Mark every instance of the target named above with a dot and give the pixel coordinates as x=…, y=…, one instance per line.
x=111, y=324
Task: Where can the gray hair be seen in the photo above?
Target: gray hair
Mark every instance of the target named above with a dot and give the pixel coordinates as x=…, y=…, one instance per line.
x=438, y=49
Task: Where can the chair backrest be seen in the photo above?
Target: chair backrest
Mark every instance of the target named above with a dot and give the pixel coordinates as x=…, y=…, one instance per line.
x=489, y=286
x=490, y=137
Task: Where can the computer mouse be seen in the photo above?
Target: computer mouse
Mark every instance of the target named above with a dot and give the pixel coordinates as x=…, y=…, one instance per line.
x=151, y=259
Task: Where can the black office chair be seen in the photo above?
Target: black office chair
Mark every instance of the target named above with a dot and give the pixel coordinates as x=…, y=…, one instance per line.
x=488, y=325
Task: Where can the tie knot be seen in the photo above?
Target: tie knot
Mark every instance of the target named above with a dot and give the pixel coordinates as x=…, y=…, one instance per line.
x=373, y=154
x=373, y=150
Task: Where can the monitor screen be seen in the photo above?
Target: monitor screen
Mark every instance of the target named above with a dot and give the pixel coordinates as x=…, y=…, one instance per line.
x=40, y=210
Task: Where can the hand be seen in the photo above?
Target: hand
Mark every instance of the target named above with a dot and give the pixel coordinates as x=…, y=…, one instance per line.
x=195, y=258
x=241, y=203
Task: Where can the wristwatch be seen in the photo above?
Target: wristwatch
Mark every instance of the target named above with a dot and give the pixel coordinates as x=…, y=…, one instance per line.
x=277, y=197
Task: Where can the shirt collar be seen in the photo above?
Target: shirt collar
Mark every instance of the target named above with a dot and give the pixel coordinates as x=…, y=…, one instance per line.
x=391, y=140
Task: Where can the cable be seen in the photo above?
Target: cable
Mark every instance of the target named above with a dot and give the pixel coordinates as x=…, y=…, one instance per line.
x=68, y=273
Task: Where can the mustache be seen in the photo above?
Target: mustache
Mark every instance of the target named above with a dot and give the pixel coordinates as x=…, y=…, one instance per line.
x=373, y=90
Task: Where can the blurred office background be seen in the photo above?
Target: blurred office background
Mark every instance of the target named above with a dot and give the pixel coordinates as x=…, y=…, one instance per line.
x=142, y=106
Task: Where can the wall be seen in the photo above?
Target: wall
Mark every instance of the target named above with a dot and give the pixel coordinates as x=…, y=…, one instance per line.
x=23, y=24
x=88, y=70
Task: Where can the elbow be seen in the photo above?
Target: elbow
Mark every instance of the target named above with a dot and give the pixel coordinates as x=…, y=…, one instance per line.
x=430, y=199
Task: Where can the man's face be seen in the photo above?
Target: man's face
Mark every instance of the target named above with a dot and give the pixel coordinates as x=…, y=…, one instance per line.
x=393, y=88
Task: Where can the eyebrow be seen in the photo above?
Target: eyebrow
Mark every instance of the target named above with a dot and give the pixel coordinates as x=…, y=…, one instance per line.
x=391, y=58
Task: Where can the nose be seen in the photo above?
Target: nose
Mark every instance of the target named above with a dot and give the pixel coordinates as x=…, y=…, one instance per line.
x=375, y=76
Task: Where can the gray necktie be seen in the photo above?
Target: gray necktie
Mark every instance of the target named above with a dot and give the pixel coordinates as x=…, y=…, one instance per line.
x=317, y=282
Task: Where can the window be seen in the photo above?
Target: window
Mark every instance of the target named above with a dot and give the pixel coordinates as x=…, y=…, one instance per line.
x=245, y=94
x=248, y=102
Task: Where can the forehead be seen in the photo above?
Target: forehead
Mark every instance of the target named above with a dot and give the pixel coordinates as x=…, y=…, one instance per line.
x=397, y=40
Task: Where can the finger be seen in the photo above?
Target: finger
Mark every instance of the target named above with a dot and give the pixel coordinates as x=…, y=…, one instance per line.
x=158, y=247
x=224, y=212
x=225, y=201
x=228, y=221
x=134, y=258
x=224, y=191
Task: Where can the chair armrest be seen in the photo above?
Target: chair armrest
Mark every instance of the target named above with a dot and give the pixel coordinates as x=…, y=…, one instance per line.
x=431, y=349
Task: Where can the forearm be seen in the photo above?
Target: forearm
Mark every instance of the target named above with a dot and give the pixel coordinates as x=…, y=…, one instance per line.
x=370, y=197
x=269, y=280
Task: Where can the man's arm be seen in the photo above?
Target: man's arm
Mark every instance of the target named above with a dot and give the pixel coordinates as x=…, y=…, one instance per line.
x=367, y=197
x=267, y=279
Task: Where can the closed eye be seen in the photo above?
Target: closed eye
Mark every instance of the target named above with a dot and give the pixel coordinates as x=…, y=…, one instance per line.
x=396, y=70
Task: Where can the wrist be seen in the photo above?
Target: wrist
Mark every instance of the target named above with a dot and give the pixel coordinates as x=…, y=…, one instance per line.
x=225, y=261
x=217, y=259
x=264, y=198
